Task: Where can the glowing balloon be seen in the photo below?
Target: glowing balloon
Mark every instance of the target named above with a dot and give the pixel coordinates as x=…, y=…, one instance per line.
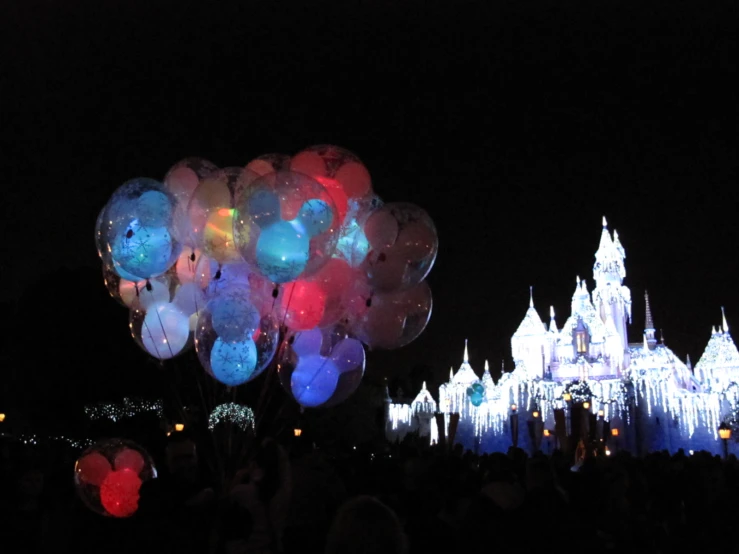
x=234, y=317
x=189, y=299
x=120, y=468
x=392, y=320
x=181, y=180
x=283, y=250
x=286, y=226
x=228, y=277
x=92, y=468
x=162, y=331
x=476, y=394
x=236, y=362
x=334, y=279
x=322, y=367
x=211, y=212
x=269, y=163
x=352, y=244
x=156, y=291
x=403, y=246
x=130, y=459
x=328, y=163
x=233, y=363
x=119, y=493
x=137, y=230
x=193, y=267
x=301, y=305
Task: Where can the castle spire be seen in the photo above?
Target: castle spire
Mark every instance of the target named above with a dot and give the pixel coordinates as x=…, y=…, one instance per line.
x=649, y=322
x=531, y=297
x=723, y=316
x=466, y=358
x=688, y=363
x=552, y=323
x=605, y=223
x=451, y=373
x=645, y=346
x=424, y=386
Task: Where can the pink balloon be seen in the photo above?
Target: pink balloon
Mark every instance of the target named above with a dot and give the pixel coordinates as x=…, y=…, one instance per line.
x=334, y=279
x=93, y=468
x=129, y=459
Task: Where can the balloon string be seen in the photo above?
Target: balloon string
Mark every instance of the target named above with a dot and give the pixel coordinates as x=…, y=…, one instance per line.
x=166, y=338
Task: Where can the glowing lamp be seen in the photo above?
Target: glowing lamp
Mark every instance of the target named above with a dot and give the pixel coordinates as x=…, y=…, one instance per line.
x=179, y=427
x=724, y=431
x=566, y=396
x=2, y=418
x=514, y=407
x=586, y=405
x=614, y=432
x=547, y=432
x=297, y=432
x=535, y=414
x=601, y=413
x=608, y=452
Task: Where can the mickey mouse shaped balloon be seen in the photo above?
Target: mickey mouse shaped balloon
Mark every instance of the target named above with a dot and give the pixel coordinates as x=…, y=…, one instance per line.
x=233, y=340
x=108, y=477
x=321, y=367
x=476, y=394
x=286, y=226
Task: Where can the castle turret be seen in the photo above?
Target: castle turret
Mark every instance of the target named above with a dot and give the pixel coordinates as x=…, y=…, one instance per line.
x=610, y=296
x=530, y=345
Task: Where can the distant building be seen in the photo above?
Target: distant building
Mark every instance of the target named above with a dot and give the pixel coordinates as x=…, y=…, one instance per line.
x=643, y=389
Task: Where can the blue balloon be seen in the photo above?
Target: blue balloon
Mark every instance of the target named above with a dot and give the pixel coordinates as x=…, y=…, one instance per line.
x=232, y=363
x=316, y=217
x=155, y=209
x=234, y=318
x=314, y=380
x=143, y=252
x=282, y=252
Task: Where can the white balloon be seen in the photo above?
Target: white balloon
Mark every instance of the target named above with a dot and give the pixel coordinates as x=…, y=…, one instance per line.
x=165, y=331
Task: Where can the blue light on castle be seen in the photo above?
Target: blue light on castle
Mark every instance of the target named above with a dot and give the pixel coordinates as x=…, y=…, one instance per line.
x=654, y=399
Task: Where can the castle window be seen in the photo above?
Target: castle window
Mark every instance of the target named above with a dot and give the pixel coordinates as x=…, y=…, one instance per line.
x=580, y=338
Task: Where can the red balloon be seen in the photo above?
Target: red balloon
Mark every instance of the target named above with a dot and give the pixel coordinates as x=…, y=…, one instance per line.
x=119, y=493
x=334, y=278
x=129, y=459
x=93, y=468
x=302, y=305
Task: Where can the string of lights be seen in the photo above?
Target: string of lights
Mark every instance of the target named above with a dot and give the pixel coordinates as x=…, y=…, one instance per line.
x=129, y=408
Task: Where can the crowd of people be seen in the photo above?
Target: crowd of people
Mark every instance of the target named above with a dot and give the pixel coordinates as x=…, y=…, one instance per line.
x=403, y=499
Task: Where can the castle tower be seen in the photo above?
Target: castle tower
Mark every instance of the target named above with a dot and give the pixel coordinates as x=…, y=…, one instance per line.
x=530, y=344
x=610, y=297
x=649, y=324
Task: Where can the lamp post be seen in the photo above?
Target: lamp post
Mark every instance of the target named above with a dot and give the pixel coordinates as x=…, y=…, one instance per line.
x=514, y=425
x=567, y=397
x=724, y=432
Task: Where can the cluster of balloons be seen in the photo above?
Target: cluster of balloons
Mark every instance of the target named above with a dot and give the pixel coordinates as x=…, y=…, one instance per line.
x=235, y=260
x=108, y=476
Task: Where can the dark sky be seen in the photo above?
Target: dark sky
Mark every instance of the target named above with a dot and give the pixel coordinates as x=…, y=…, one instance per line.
x=516, y=124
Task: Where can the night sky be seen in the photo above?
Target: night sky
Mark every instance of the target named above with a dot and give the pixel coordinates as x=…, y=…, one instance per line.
x=516, y=125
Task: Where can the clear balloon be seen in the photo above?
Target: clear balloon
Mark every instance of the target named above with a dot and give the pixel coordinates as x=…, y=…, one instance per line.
x=235, y=362
x=352, y=244
x=321, y=367
x=211, y=211
x=137, y=230
x=181, y=180
x=162, y=330
x=269, y=163
x=108, y=477
x=391, y=320
x=194, y=267
x=149, y=292
x=403, y=245
x=340, y=171
x=286, y=226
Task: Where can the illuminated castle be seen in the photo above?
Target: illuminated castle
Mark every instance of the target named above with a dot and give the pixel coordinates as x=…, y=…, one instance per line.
x=642, y=389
